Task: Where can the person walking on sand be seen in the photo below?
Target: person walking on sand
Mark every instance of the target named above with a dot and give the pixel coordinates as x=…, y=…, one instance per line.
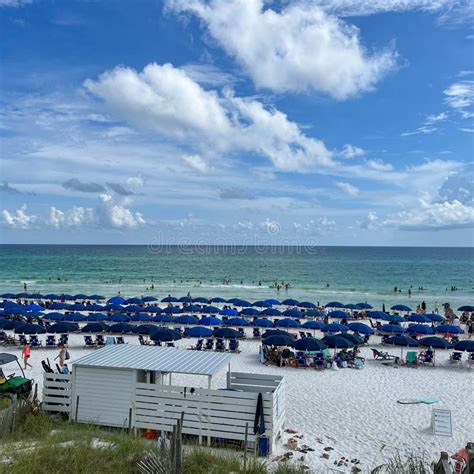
x=26, y=353
x=61, y=356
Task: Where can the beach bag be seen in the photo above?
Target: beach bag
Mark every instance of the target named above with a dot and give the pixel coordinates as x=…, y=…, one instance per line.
x=67, y=356
x=358, y=364
x=334, y=366
x=344, y=364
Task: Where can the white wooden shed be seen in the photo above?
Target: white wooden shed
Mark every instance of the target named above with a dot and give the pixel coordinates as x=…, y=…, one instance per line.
x=132, y=386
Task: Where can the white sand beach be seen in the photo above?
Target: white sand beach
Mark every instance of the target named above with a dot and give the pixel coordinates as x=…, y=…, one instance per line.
x=353, y=411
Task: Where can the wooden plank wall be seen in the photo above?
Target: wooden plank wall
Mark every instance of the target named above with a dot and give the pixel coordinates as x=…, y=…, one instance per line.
x=57, y=392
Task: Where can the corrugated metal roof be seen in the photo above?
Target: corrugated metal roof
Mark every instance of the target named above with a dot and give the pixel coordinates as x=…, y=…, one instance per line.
x=161, y=359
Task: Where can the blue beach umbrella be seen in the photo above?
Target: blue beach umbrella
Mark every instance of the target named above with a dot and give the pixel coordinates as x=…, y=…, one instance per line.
x=30, y=329
x=391, y=329
x=394, y=318
x=467, y=307
x=262, y=323
x=114, y=307
x=95, y=307
x=420, y=329
x=33, y=307
x=250, y=312
x=149, y=299
x=140, y=317
x=36, y=296
x=270, y=312
x=418, y=318
x=262, y=304
x=75, y=317
x=201, y=300
x=279, y=340
x=133, y=301
x=80, y=296
x=185, y=299
x=286, y=323
x=22, y=295
x=144, y=329
x=58, y=305
x=290, y=302
x=133, y=308
x=334, y=304
x=313, y=325
x=186, y=319
x=377, y=314
x=8, y=295
x=226, y=333
x=435, y=318
x=9, y=324
x=95, y=327
x=193, y=308
x=273, y=301
x=198, y=331
x=210, y=310
x=217, y=299
x=165, y=335
x=13, y=310
x=237, y=322
x=351, y=306
x=163, y=318
x=402, y=340
x=116, y=300
x=401, y=307
x=465, y=345
x=229, y=312
x=211, y=321
x=435, y=343
x=448, y=329
x=361, y=328
x=292, y=313
x=339, y=314
x=170, y=299
x=243, y=303
x=310, y=344
x=77, y=307
x=306, y=305
x=337, y=342
x=275, y=332
x=152, y=309
x=364, y=306
x=96, y=297
x=120, y=318
x=63, y=328
x=122, y=328
x=313, y=313
x=54, y=316
x=335, y=327
x=357, y=340
x=97, y=317
x=171, y=310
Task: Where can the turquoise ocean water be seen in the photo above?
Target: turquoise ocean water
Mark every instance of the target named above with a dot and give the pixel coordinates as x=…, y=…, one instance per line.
x=354, y=274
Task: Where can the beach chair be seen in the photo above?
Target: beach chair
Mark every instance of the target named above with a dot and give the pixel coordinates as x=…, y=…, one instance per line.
x=470, y=358
x=50, y=341
x=234, y=346
x=109, y=340
x=380, y=355
x=198, y=346
x=241, y=331
x=302, y=334
x=158, y=343
x=256, y=332
x=455, y=357
x=426, y=357
x=319, y=362
x=119, y=340
x=300, y=360
x=64, y=339
x=46, y=367
x=88, y=342
x=22, y=340
x=141, y=340
x=209, y=345
x=411, y=359
x=220, y=347
x=308, y=334
x=99, y=340
x=35, y=342
x=170, y=344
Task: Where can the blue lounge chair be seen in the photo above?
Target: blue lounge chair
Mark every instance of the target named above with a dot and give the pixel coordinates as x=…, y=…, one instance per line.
x=308, y=334
x=110, y=340
x=301, y=359
x=302, y=334
x=35, y=342
x=50, y=341
x=158, y=343
x=170, y=344
x=119, y=340
x=99, y=340
x=220, y=345
x=209, y=345
x=64, y=339
x=319, y=362
x=426, y=357
x=241, y=331
x=234, y=345
x=88, y=342
x=256, y=332
x=455, y=356
x=22, y=340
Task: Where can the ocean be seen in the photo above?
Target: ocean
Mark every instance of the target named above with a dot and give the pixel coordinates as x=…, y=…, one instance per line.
x=317, y=274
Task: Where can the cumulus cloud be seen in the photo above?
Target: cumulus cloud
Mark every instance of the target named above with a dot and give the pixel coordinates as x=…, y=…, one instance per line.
x=235, y=193
x=351, y=151
x=348, y=189
x=457, y=187
x=370, y=222
x=299, y=48
x=75, y=217
x=119, y=189
x=115, y=214
x=196, y=163
x=436, y=118
x=19, y=219
x=75, y=185
x=136, y=181
x=460, y=97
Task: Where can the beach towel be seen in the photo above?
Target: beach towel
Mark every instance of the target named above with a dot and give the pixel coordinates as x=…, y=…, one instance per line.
x=414, y=401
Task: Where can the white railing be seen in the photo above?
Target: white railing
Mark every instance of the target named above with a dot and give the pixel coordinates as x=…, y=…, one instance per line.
x=57, y=392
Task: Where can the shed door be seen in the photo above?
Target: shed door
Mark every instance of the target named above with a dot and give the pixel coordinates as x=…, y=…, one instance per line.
x=105, y=395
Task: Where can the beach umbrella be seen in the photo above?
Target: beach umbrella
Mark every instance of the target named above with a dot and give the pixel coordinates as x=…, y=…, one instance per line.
x=310, y=344
x=307, y=305
x=201, y=299
x=51, y=296
x=364, y=306
x=286, y=323
x=377, y=314
x=193, y=308
x=293, y=313
x=313, y=325
x=339, y=314
x=262, y=304
x=275, y=332
x=120, y=318
x=133, y=301
x=394, y=318
x=75, y=317
x=211, y=321
x=448, y=329
x=63, y=328
x=186, y=319
x=149, y=299
x=418, y=318
x=357, y=340
x=279, y=340
x=273, y=301
x=36, y=296
x=163, y=318
x=228, y=312
x=401, y=307
x=337, y=342
x=243, y=303
x=198, y=331
x=97, y=317
x=262, y=323
x=402, y=341
x=57, y=305
x=80, y=296
x=361, y=328
x=95, y=327
x=466, y=308
x=113, y=307
x=140, y=317
x=96, y=297
x=116, y=300
x=420, y=329
x=33, y=307
x=133, y=308
x=435, y=318
x=210, y=310
x=165, y=335
x=30, y=329
x=151, y=309
x=13, y=310
x=313, y=313
x=122, y=328
x=290, y=302
x=170, y=299
x=67, y=297
x=435, y=343
x=237, y=322
x=334, y=304
x=7, y=295
x=465, y=345
x=226, y=333
x=95, y=307
x=351, y=306
x=171, y=310
x=10, y=304
x=77, y=307
x=391, y=329
x=233, y=301
x=335, y=327
x=54, y=316
x=9, y=324
x=22, y=295
x=185, y=299
x=250, y=312
x=217, y=299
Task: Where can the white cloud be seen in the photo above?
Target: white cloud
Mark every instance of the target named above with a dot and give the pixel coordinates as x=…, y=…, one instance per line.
x=460, y=96
x=114, y=214
x=14, y=3
x=75, y=217
x=379, y=165
x=18, y=219
x=424, y=130
x=135, y=181
x=297, y=49
x=468, y=130
x=196, y=163
x=370, y=222
x=436, y=118
x=351, y=151
x=348, y=189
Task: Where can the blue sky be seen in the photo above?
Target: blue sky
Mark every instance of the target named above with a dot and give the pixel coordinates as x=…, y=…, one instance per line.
x=322, y=122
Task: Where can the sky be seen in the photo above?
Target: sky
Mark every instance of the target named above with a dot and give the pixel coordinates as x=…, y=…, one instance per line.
x=310, y=122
